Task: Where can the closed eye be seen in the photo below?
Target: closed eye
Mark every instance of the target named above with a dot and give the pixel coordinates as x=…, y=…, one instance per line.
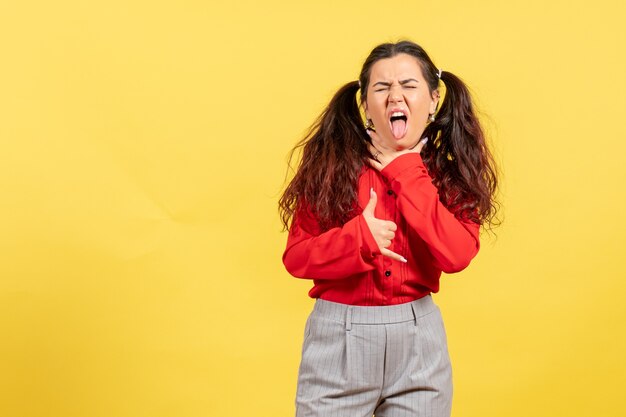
x=405, y=86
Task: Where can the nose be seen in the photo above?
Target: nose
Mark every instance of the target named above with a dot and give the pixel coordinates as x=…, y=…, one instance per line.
x=395, y=94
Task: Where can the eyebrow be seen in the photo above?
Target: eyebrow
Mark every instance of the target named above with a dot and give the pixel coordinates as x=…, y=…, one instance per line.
x=401, y=82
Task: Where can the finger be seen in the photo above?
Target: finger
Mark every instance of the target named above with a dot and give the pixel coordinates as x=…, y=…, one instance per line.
x=375, y=164
x=387, y=234
x=371, y=204
x=392, y=255
x=391, y=226
x=386, y=243
x=421, y=144
x=374, y=151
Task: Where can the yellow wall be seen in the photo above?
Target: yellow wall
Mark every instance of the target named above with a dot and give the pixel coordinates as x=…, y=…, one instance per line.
x=143, y=153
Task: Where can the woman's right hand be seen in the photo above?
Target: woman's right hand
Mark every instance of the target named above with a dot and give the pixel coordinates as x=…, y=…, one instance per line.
x=382, y=230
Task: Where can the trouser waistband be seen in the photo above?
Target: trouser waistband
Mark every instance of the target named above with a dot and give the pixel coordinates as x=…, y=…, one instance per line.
x=397, y=313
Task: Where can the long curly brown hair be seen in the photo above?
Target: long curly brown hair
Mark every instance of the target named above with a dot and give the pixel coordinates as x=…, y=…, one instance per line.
x=334, y=151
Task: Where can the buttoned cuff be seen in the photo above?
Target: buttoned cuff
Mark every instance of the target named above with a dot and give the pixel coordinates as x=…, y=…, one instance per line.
x=369, y=247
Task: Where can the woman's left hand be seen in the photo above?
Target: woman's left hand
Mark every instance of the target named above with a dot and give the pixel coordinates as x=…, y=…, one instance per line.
x=385, y=155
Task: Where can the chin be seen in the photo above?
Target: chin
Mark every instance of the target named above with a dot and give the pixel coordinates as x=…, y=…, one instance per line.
x=405, y=143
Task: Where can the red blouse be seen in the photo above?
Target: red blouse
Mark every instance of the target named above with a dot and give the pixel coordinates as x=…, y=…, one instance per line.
x=345, y=263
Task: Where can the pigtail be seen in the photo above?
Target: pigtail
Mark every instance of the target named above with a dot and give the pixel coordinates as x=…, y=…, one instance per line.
x=459, y=160
x=333, y=153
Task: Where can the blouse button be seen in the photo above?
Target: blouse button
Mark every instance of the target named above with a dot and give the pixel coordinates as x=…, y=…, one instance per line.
x=390, y=192
x=387, y=273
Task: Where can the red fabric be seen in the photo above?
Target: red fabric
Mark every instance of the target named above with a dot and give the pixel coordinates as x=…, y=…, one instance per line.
x=345, y=263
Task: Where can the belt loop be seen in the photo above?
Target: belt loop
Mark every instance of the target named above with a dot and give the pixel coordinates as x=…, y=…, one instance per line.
x=414, y=312
x=349, y=318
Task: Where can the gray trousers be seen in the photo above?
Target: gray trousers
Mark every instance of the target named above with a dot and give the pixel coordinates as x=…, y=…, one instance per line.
x=391, y=361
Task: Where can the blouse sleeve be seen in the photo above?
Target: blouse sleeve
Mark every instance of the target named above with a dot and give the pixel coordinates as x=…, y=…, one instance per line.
x=334, y=254
x=453, y=243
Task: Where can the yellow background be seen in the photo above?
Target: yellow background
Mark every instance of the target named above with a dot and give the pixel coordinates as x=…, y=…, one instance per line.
x=143, y=152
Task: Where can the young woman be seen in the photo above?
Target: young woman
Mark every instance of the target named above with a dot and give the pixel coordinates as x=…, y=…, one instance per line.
x=375, y=213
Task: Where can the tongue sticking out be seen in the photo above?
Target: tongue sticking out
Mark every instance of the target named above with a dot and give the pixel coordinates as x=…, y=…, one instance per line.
x=398, y=128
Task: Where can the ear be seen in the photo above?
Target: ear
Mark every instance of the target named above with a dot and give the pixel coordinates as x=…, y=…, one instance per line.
x=434, y=102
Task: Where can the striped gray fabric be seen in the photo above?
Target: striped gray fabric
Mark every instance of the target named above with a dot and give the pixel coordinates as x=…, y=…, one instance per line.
x=387, y=361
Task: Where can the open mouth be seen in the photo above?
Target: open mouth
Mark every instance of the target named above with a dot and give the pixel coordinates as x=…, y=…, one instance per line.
x=398, y=124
